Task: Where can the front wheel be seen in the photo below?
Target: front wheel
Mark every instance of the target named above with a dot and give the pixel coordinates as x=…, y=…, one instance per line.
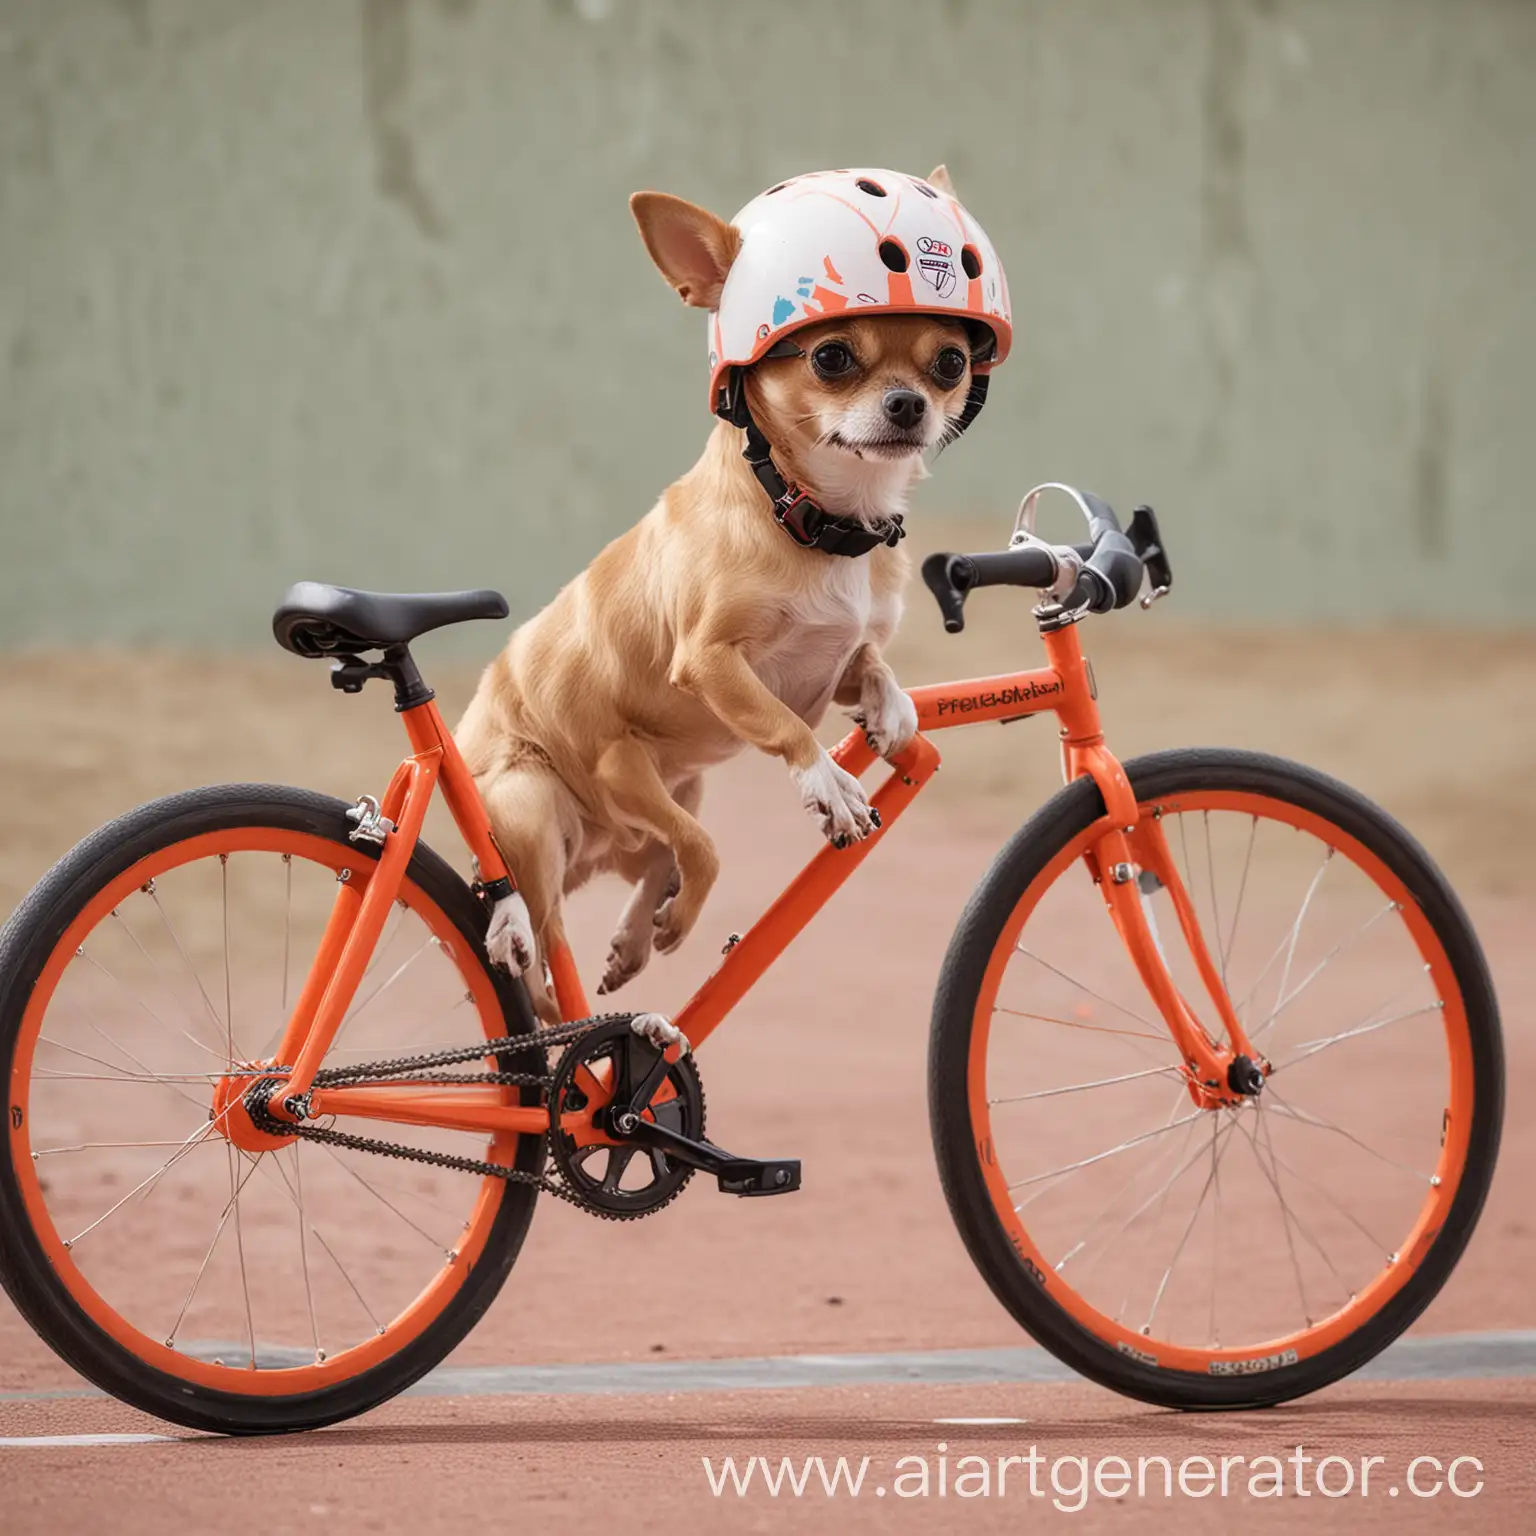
x=1238, y=1256
x=219, y=1284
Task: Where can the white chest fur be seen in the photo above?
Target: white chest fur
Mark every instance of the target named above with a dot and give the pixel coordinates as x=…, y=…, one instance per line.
x=825, y=625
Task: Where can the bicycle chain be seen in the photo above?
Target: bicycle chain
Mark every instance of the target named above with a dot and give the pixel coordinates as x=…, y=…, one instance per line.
x=419, y=1069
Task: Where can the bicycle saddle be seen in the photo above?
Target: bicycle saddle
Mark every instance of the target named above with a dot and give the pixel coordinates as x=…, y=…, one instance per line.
x=315, y=619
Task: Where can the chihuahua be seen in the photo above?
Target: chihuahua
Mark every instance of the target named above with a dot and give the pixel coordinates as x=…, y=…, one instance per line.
x=704, y=629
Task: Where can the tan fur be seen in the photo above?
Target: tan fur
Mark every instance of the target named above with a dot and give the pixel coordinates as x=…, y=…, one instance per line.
x=704, y=629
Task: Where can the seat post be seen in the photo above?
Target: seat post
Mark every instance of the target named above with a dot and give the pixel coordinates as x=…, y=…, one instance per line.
x=399, y=666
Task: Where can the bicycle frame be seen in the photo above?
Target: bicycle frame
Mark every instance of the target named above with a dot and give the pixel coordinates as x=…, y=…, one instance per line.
x=1127, y=840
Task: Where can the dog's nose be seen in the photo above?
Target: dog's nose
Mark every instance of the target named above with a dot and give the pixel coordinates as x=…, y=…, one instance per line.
x=905, y=407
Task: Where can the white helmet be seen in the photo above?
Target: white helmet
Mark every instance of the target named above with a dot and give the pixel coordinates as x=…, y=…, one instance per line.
x=874, y=241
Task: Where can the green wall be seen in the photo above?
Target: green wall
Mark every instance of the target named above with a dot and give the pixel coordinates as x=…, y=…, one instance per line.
x=348, y=288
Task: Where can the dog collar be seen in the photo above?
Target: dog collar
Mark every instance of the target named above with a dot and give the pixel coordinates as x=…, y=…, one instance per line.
x=803, y=518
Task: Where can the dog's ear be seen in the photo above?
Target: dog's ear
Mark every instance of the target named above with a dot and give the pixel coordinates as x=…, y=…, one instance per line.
x=939, y=177
x=693, y=247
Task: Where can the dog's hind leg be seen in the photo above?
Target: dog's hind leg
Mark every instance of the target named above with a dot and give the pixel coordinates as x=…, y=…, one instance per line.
x=633, y=787
x=525, y=806
x=653, y=869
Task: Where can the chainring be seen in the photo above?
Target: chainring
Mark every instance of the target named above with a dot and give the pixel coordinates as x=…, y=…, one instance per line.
x=604, y=1174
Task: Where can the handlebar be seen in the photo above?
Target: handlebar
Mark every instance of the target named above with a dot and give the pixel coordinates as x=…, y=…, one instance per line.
x=1096, y=577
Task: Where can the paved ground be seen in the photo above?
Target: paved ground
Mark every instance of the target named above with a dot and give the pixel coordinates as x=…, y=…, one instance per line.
x=865, y=1258
x=639, y=1463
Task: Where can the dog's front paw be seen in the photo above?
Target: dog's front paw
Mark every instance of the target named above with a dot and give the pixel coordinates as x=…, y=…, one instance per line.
x=836, y=799
x=660, y=1031
x=887, y=716
x=509, y=939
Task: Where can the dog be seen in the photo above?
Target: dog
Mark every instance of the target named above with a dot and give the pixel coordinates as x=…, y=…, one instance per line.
x=709, y=626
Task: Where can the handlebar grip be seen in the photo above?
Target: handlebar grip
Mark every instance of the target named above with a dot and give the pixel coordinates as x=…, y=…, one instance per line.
x=1030, y=567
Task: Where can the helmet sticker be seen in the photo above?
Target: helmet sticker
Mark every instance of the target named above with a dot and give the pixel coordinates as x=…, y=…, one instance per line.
x=936, y=265
x=782, y=309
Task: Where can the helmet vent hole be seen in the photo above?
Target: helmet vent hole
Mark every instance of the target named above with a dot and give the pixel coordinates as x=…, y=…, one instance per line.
x=864, y=184
x=779, y=188
x=924, y=188
x=893, y=255
x=970, y=260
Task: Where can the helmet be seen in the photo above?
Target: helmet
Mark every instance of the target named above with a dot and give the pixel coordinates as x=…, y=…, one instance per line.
x=868, y=241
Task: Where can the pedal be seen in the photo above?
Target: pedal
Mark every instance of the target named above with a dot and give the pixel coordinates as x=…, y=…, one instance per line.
x=748, y=1177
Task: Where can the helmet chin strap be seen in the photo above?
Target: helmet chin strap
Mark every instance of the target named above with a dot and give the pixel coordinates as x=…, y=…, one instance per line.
x=803, y=518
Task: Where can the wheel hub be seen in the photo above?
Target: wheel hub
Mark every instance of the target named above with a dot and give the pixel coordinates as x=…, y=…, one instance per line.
x=231, y=1113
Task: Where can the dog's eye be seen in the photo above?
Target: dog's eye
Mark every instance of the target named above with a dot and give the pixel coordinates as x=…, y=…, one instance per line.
x=833, y=360
x=949, y=366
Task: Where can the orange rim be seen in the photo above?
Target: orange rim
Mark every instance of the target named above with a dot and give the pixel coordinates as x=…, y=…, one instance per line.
x=428, y=1304
x=1396, y=1269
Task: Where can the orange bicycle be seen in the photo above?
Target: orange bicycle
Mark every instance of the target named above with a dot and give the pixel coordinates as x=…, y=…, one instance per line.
x=276, y=1127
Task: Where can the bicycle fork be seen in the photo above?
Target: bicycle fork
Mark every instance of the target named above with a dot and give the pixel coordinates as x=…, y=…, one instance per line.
x=1131, y=847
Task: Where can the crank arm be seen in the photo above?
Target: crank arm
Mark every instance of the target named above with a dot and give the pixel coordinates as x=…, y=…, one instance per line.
x=736, y=1175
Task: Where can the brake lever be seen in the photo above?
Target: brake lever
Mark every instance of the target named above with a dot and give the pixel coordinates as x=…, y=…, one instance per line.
x=1147, y=540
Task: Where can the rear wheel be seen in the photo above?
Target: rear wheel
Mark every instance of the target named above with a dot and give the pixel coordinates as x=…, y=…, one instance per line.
x=232, y=1287
x=1224, y=1257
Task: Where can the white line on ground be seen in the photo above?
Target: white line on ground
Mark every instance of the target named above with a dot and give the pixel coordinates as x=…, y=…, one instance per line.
x=50, y=1442
x=981, y=1421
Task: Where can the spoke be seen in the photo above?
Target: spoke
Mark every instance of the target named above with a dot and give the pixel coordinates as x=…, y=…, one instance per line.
x=314, y=1232
x=224, y=1215
x=122, y=923
x=1216, y=1232
x=1303, y=1118
x=219, y=1028
x=117, y=1045
x=1295, y=934
x=1322, y=1189
x=1309, y=1048
x=1179, y=1149
x=1223, y=1135
x=431, y=942
x=372, y=1190
x=1285, y=1213
x=309, y=1295
x=245, y=1285
x=386, y=936
x=46, y=1075
x=1242, y=886
x=1130, y=1013
x=117, y=1074
x=98, y=1146
x=1323, y=964
x=1266, y=1130
x=1102, y=1082
x=196, y=1139
x=1099, y=1157
x=1098, y=1029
